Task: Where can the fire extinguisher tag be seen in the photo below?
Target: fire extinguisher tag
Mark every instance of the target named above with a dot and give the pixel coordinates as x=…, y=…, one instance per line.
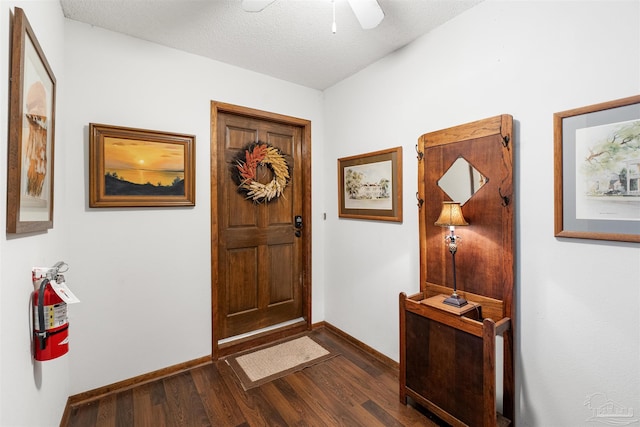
x=54, y=316
x=63, y=291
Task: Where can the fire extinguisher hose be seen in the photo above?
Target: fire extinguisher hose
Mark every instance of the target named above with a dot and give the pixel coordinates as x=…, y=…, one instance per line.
x=42, y=333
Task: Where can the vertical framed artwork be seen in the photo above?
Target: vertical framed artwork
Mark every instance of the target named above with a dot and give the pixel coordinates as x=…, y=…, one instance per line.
x=597, y=171
x=140, y=168
x=31, y=133
x=370, y=186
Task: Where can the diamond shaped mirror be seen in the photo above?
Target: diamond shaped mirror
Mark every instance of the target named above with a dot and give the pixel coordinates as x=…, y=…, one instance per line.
x=461, y=181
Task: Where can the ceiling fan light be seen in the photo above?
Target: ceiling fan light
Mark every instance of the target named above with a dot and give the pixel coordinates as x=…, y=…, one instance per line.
x=255, y=5
x=368, y=12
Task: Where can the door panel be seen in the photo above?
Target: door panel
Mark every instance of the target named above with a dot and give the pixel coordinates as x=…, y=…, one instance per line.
x=259, y=258
x=281, y=274
x=240, y=302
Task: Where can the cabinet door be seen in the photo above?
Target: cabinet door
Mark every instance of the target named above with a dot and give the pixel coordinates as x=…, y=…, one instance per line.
x=444, y=365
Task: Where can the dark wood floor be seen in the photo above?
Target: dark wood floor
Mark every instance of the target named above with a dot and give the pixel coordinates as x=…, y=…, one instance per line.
x=351, y=389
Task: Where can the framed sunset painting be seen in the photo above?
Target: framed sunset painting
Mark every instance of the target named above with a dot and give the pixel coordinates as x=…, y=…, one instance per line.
x=140, y=168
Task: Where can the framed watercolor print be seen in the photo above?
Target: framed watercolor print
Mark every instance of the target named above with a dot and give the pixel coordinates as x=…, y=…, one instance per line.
x=597, y=171
x=140, y=168
x=370, y=186
x=31, y=133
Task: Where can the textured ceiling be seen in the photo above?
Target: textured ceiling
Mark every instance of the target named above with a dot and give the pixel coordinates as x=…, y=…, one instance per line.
x=290, y=40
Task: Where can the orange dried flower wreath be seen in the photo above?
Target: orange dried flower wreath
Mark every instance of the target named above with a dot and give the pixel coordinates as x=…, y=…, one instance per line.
x=246, y=169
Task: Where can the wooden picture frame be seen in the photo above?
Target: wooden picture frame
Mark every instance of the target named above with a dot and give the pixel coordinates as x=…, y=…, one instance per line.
x=370, y=186
x=30, y=158
x=597, y=171
x=131, y=167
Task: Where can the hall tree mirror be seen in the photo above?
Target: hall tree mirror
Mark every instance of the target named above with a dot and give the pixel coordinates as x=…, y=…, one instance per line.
x=457, y=361
x=461, y=181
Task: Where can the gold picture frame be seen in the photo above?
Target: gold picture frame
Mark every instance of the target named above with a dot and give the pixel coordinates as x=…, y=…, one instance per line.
x=370, y=186
x=31, y=133
x=597, y=171
x=131, y=167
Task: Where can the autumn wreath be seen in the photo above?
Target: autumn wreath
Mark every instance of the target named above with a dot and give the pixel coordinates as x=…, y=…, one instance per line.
x=245, y=171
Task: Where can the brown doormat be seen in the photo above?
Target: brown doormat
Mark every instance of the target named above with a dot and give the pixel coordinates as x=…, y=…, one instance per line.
x=257, y=367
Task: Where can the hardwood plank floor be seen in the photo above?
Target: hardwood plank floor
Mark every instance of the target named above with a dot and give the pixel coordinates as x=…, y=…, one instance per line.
x=351, y=389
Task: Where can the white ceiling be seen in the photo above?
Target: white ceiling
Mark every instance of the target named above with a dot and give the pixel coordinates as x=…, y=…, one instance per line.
x=290, y=40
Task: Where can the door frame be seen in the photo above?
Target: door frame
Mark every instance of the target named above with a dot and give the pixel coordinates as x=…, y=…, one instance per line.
x=297, y=327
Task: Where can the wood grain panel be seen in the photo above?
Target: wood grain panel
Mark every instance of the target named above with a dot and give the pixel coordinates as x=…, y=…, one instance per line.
x=446, y=366
x=480, y=259
x=281, y=280
x=282, y=211
x=242, y=269
x=238, y=136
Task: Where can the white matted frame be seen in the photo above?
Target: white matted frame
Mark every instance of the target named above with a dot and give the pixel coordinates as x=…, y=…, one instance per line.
x=31, y=133
x=370, y=186
x=597, y=171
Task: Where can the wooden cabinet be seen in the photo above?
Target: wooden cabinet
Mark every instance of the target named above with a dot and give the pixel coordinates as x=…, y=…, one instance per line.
x=450, y=360
x=447, y=354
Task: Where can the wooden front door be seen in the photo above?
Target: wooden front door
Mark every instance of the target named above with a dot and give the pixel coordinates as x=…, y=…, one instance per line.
x=260, y=259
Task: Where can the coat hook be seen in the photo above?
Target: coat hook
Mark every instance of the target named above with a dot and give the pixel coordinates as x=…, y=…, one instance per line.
x=505, y=141
x=505, y=199
x=420, y=153
x=420, y=201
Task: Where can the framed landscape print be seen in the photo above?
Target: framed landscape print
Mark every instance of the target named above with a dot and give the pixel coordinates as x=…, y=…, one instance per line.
x=31, y=133
x=140, y=168
x=597, y=171
x=370, y=186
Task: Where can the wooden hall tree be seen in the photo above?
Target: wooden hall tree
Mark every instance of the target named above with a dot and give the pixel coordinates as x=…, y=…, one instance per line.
x=448, y=355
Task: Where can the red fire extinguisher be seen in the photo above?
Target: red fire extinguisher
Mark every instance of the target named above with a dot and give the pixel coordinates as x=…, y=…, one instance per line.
x=50, y=323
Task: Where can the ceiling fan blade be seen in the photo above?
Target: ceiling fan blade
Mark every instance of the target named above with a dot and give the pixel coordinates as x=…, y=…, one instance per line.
x=255, y=5
x=368, y=12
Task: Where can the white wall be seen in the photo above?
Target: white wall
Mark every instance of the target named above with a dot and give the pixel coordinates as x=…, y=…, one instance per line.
x=27, y=385
x=144, y=275
x=577, y=325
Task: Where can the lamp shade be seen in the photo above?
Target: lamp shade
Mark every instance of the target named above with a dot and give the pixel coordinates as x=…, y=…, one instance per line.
x=451, y=215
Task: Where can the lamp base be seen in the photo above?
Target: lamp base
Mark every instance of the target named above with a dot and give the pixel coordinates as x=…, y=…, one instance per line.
x=455, y=300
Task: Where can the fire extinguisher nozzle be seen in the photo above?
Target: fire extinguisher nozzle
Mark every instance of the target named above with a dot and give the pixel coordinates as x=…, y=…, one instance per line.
x=42, y=339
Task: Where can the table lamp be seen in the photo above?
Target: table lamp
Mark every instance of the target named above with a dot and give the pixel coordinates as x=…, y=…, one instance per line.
x=451, y=216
